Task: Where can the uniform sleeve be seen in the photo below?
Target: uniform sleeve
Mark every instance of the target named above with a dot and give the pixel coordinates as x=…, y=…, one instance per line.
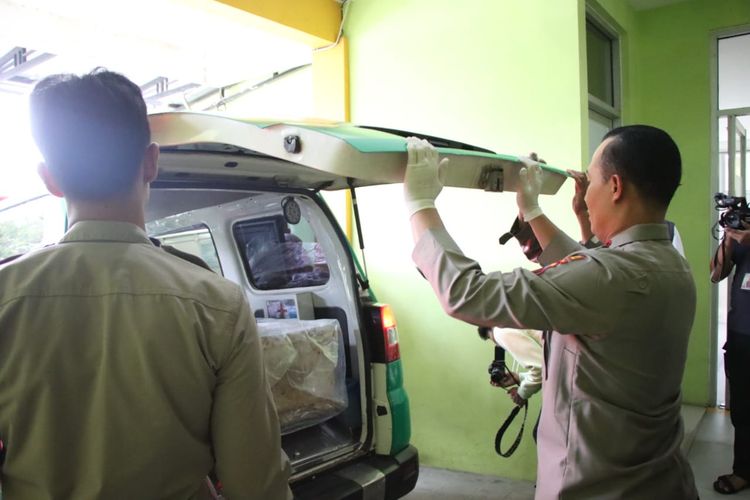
x=521, y=344
x=560, y=246
x=531, y=382
x=244, y=424
x=566, y=297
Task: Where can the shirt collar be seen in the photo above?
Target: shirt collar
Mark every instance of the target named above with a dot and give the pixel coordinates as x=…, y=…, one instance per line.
x=640, y=232
x=105, y=231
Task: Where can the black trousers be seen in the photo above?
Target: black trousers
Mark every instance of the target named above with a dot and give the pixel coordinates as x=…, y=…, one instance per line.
x=737, y=367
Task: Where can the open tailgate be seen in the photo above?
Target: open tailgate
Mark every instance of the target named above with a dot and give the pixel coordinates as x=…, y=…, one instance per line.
x=320, y=155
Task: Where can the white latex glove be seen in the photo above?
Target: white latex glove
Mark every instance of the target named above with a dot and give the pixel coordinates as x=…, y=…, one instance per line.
x=529, y=187
x=422, y=180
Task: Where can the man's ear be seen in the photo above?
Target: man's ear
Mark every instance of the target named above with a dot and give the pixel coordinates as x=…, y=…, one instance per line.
x=49, y=180
x=150, y=163
x=616, y=187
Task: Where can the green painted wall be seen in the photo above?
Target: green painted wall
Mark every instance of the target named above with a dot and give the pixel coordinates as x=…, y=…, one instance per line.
x=499, y=74
x=510, y=76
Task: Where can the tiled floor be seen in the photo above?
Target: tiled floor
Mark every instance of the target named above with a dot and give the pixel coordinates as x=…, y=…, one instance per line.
x=441, y=484
x=708, y=444
x=711, y=454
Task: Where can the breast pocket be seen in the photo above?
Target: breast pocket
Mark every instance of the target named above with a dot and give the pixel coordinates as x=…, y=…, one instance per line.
x=562, y=372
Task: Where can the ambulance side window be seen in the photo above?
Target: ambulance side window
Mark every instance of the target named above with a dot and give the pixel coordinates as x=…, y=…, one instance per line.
x=31, y=224
x=195, y=240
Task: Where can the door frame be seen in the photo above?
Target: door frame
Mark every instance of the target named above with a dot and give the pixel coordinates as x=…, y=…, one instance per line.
x=716, y=113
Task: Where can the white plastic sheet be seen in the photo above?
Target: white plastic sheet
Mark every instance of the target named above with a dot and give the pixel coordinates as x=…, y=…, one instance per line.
x=304, y=362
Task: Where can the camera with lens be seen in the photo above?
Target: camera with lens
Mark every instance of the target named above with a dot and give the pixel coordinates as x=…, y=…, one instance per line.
x=734, y=210
x=498, y=373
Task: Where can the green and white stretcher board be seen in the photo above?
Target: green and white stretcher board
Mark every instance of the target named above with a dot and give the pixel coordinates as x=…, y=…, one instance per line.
x=328, y=154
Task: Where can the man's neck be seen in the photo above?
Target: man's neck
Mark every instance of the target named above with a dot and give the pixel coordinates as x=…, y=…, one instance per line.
x=633, y=216
x=118, y=211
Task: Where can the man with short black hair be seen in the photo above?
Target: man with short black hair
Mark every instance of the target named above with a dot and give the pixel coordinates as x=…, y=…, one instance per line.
x=616, y=319
x=125, y=372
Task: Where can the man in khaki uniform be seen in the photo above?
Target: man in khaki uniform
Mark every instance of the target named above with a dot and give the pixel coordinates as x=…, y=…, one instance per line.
x=125, y=372
x=617, y=319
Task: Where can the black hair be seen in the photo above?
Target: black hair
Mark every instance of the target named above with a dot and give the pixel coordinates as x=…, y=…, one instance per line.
x=647, y=157
x=92, y=131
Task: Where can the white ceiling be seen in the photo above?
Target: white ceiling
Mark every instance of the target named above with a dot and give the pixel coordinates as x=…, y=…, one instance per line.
x=192, y=48
x=187, y=43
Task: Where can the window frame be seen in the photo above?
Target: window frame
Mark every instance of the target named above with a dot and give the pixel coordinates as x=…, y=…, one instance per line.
x=239, y=243
x=611, y=112
x=187, y=229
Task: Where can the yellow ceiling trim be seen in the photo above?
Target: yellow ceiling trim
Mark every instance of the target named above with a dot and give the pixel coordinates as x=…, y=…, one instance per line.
x=312, y=22
x=330, y=70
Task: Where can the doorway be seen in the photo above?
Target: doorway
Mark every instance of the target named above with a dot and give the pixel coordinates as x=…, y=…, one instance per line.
x=731, y=123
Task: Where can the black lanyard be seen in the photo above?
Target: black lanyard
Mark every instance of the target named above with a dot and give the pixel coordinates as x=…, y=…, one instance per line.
x=500, y=361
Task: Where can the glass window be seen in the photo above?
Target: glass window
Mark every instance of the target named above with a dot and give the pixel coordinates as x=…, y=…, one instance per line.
x=734, y=72
x=277, y=255
x=30, y=225
x=194, y=240
x=602, y=62
x=599, y=57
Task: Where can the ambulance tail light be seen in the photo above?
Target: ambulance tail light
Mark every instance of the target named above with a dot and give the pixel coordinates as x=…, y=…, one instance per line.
x=383, y=334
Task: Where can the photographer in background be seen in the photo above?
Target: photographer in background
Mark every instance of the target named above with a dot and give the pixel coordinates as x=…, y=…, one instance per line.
x=734, y=252
x=526, y=348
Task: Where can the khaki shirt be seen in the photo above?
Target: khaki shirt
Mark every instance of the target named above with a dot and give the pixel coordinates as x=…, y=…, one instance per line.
x=126, y=372
x=620, y=319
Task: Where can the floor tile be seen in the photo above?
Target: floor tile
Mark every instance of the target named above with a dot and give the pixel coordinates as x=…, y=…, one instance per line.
x=709, y=437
